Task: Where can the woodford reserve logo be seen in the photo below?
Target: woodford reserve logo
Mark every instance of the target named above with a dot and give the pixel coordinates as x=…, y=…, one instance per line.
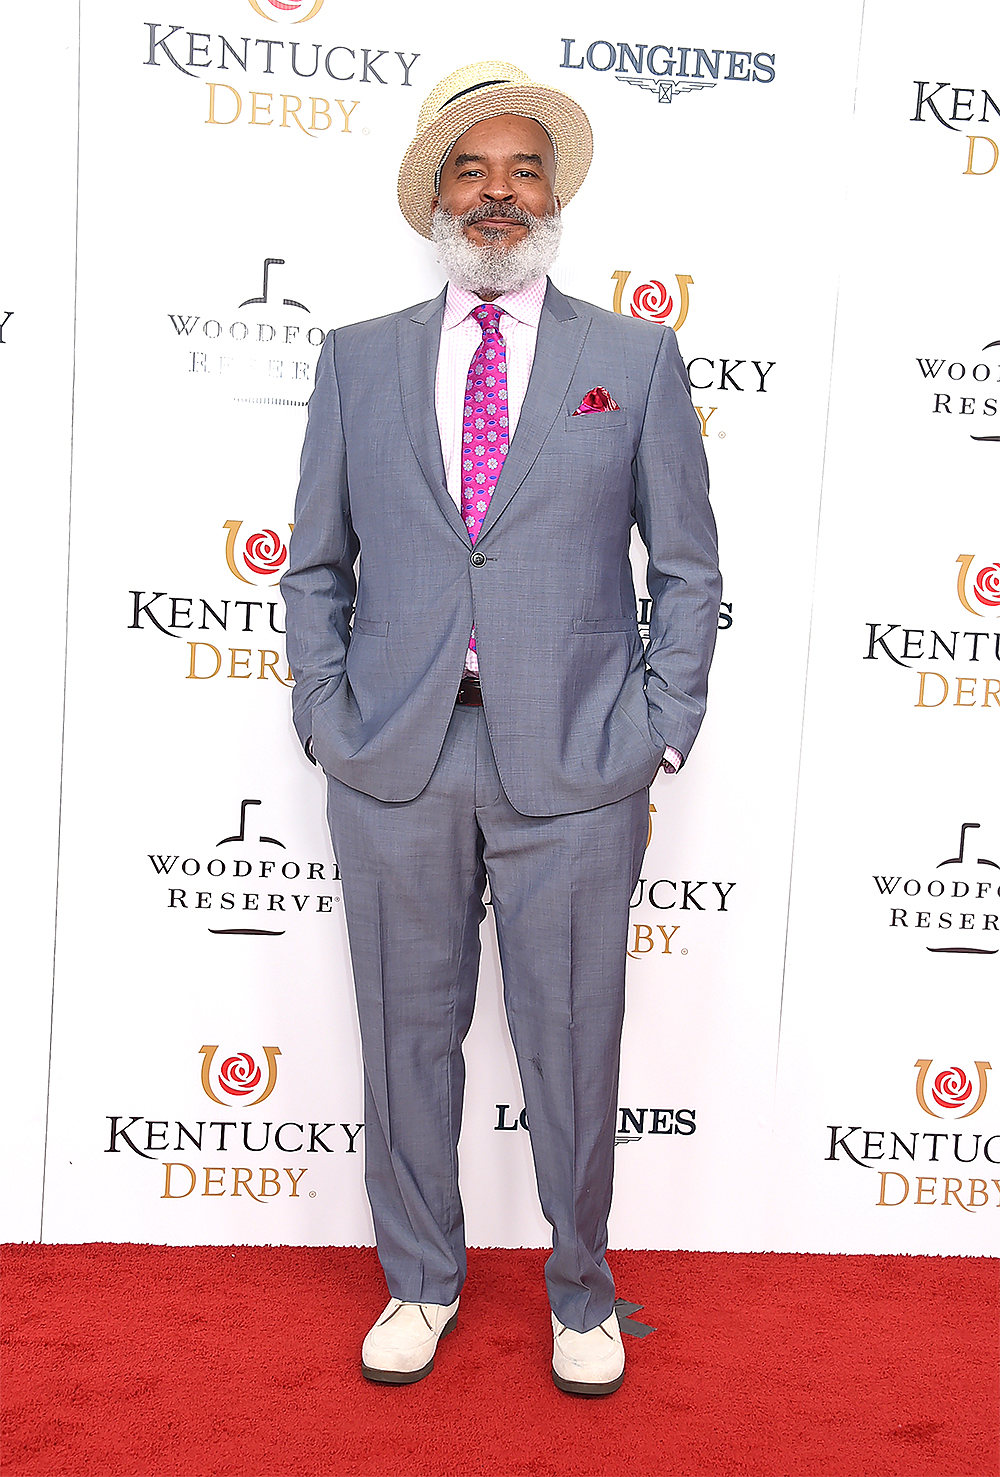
x=250, y=892
x=263, y=357
x=965, y=386
x=955, y=1093
x=240, y=1077
x=956, y=911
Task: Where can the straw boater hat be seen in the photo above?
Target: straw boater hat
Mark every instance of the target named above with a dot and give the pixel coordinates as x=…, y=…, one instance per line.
x=485, y=90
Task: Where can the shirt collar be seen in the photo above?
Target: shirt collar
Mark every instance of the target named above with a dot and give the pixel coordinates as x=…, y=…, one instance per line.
x=525, y=304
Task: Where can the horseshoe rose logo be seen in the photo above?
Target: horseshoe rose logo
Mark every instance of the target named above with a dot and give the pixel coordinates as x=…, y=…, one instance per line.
x=263, y=553
x=239, y=1075
x=286, y=9
x=652, y=300
x=951, y=1088
x=983, y=586
x=987, y=585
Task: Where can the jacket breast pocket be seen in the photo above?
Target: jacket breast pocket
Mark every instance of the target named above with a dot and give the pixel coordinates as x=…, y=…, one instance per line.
x=363, y=627
x=598, y=422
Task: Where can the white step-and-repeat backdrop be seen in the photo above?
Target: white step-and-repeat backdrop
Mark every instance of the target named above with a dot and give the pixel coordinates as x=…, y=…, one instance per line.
x=811, y=200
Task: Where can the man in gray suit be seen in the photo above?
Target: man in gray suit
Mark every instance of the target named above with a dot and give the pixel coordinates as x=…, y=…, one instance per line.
x=469, y=673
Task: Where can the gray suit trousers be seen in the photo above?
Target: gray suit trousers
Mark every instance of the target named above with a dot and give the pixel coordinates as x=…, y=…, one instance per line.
x=414, y=875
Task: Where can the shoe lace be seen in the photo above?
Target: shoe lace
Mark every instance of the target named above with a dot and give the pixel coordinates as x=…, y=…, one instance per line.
x=403, y=1304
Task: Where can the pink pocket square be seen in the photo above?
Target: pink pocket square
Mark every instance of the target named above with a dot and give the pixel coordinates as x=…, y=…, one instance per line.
x=594, y=400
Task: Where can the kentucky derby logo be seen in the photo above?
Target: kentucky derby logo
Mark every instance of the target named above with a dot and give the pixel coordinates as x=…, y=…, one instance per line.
x=257, y=558
x=239, y=1077
x=287, y=10
x=951, y=1089
x=652, y=300
x=978, y=589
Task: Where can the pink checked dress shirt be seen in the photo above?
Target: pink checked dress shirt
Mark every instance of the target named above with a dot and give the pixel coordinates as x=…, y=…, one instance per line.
x=460, y=336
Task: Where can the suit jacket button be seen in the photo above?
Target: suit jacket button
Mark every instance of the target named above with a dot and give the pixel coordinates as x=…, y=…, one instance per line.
x=478, y=559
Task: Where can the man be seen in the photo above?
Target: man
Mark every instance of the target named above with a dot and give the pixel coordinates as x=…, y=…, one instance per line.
x=470, y=477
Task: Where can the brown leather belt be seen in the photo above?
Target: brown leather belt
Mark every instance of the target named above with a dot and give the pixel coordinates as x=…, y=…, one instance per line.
x=470, y=694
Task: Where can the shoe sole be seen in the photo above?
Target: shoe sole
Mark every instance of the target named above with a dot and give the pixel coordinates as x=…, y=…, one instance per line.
x=582, y=1387
x=407, y=1376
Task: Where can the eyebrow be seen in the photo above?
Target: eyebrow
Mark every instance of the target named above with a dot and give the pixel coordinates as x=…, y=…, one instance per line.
x=480, y=159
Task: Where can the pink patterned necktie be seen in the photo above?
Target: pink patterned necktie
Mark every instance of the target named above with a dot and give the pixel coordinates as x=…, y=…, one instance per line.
x=484, y=426
x=484, y=423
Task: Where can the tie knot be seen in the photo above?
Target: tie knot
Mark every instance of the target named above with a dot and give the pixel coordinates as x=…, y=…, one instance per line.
x=488, y=317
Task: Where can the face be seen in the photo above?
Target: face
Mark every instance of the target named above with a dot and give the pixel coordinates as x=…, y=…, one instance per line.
x=502, y=162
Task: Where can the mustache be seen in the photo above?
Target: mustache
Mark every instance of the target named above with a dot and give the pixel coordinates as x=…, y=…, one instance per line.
x=503, y=210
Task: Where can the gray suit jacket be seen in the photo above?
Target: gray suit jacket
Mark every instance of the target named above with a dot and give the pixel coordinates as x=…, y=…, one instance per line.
x=382, y=591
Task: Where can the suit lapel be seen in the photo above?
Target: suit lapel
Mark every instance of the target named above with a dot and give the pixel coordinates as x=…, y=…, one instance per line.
x=418, y=338
x=561, y=334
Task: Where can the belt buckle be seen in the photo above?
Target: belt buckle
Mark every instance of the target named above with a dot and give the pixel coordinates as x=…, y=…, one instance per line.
x=470, y=693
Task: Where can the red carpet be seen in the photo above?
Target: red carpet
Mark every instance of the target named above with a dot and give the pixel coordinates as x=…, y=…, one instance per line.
x=242, y=1362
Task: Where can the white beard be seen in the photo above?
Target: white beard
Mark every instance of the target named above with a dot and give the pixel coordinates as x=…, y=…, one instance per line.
x=494, y=269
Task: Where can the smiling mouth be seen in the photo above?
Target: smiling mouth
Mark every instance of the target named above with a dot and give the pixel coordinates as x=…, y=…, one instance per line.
x=496, y=230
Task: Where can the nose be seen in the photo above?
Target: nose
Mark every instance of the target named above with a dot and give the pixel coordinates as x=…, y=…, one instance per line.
x=497, y=190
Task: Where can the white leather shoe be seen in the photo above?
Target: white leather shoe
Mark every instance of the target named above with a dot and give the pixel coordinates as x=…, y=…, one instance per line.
x=399, y=1350
x=588, y=1363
